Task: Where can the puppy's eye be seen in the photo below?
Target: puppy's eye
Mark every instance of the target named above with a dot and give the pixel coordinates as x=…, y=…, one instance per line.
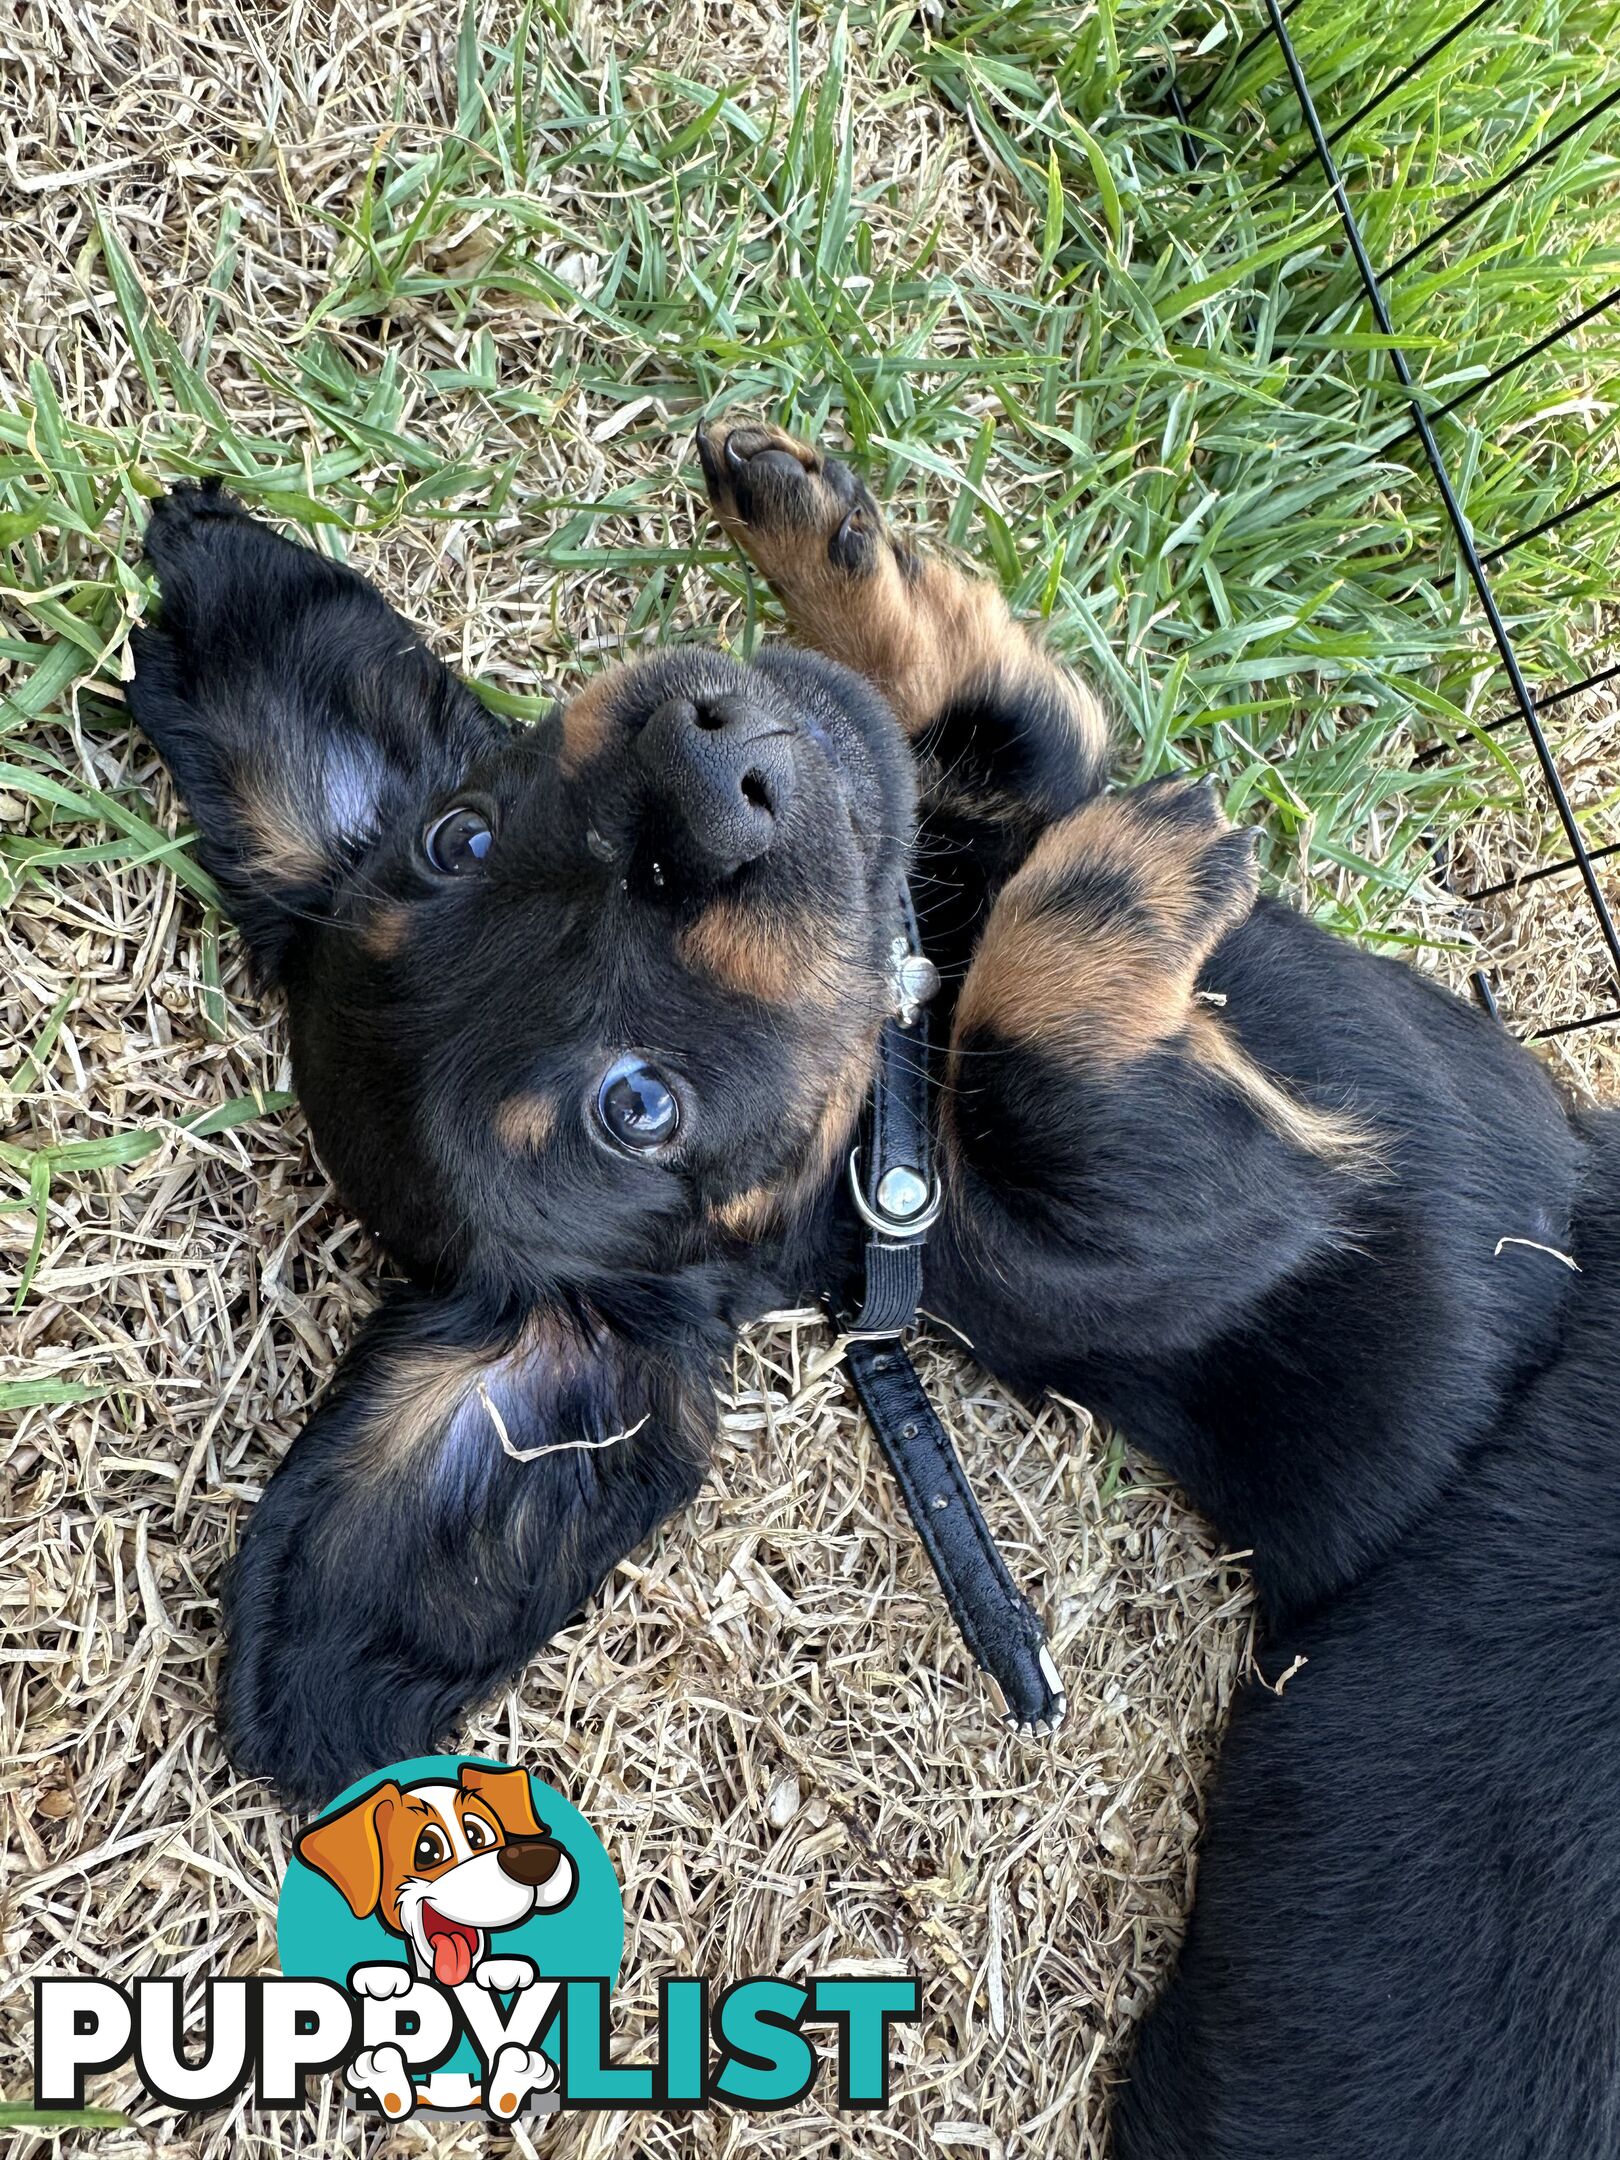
x=431, y=1848
x=479, y=1835
x=636, y=1105
x=459, y=841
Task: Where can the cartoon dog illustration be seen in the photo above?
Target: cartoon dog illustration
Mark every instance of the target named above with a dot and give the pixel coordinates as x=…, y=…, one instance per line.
x=445, y=1866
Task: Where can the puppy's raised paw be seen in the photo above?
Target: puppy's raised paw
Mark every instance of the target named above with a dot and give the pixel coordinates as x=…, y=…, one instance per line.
x=1195, y=870
x=797, y=514
x=1095, y=948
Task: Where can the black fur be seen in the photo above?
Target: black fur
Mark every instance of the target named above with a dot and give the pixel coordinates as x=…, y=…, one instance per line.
x=1409, y=1893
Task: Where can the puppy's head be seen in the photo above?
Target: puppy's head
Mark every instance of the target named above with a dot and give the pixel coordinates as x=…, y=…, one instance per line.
x=580, y=1014
x=586, y=998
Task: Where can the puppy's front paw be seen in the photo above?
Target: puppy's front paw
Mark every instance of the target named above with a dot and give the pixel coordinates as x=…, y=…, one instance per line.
x=380, y=1982
x=501, y=1975
x=796, y=513
x=1195, y=870
x=313, y=1693
x=1094, y=949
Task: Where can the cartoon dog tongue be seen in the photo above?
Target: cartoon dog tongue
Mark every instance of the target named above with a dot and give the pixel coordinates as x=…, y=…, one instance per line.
x=452, y=1947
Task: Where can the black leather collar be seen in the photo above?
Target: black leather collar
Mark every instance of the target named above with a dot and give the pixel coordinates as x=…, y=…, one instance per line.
x=898, y=1199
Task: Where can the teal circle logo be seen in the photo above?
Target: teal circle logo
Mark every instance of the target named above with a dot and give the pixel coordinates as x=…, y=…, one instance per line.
x=460, y=1875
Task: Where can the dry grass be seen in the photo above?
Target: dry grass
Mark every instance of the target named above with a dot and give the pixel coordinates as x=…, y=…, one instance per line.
x=779, y=1738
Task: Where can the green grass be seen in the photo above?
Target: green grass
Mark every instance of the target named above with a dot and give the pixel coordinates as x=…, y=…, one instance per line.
x=1174, y=436
x=50, y=2119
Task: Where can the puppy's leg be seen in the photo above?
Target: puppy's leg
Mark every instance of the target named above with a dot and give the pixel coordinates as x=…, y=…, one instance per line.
x=1123, y=1154
x=1093, y=953
x=999, y=716
x=516, y=2073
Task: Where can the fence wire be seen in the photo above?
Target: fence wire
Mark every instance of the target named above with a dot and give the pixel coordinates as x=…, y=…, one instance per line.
x=1527, y=708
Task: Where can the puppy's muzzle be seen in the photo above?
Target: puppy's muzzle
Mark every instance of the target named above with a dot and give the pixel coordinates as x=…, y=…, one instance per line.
x=725, y=767
x=530, y=1861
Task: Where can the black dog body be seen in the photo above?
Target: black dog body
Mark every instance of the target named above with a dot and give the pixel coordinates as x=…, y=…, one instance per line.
x=1404, y=1940
x=1289, y=1214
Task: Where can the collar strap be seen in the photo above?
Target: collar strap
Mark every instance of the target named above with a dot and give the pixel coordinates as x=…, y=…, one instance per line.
x=898, y=1199
x=997, y=1622
x=891, y=1181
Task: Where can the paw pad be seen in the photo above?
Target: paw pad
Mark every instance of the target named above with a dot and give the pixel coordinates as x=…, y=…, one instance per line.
x=790, y=508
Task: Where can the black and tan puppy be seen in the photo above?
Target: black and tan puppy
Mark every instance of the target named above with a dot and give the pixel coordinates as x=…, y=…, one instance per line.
x=584, y=1017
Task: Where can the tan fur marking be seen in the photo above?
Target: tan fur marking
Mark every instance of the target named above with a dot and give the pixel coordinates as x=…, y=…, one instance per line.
x=752, y=1213
x=1065, y=987
x=1085, y=984
x=526, y=1123
x=385, y=929
x=835, y=1127
x=1051, y=973
x=283, y=851
x=1159, y=854
x=587, y=722
x=782, y=961
x=748, y=1214
x=420, y=1394
x=1333, y=1136
x=423, y=1390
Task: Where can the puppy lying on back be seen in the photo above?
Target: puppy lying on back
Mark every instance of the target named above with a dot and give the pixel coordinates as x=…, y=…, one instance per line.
x=583, y=1018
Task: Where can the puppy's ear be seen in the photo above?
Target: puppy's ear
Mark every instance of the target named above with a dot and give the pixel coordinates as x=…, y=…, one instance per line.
x=299, y=714
x=462, y=1489
x=507, y=1796
x=347, y=1848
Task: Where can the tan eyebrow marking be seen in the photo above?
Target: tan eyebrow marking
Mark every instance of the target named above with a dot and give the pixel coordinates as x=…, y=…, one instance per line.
x=385, y=929
x=525, y=1123
x=587, y=721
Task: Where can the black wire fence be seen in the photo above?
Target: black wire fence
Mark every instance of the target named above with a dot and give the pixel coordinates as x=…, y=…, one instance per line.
x=1527, y=709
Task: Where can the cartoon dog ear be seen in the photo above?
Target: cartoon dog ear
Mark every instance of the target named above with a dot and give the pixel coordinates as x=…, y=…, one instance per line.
x=347, y=1848
x=507, y=1795
x=299, y=714
x=461, y=1491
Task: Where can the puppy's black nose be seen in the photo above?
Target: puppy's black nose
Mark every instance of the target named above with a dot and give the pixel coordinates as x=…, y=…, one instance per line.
x=724, y=767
